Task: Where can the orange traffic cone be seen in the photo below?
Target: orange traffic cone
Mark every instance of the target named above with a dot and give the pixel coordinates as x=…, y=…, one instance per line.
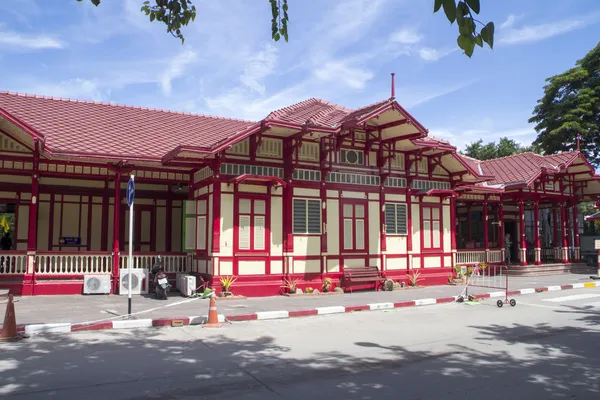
x=9, y=329
x=213, y=317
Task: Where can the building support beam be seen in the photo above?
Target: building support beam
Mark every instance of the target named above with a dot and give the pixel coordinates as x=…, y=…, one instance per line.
x=116, y=232
x=555, y=233
x=522, y=235
x=536, y=232
x=453, y=229
x=501, y=231
x=577, y=247
x=563, y=230
x=486, y=233
x=29, y=278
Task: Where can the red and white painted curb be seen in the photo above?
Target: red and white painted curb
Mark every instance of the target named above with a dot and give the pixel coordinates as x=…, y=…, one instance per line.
x=270, y=315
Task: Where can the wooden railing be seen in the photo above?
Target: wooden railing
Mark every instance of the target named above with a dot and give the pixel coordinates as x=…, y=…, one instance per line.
x=470, y=257
x=171, y=262
x=474, y=257
x=57, y=263
x=495, y=256
x=13, y=262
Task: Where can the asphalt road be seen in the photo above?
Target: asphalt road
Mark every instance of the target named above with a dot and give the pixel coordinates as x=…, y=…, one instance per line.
x=546, y=347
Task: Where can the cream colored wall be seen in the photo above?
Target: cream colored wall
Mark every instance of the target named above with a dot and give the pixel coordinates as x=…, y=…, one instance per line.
x=447, y=235
x=307, y=266
x=333, y=226
x=396, y=244
x=416, y=225
x=395, y=263
x=251, y=267
x=374, y=227
x=307, y=245
x=276, y=227
x=226, y=224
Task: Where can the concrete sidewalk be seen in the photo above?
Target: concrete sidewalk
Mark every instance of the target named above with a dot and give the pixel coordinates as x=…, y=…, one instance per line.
x=78, y=309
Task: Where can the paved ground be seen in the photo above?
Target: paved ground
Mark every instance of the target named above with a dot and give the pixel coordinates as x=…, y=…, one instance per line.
x=73, y=309
x=543, y=348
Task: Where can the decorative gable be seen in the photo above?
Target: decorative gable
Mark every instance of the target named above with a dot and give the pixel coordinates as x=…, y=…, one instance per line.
x=10, y=145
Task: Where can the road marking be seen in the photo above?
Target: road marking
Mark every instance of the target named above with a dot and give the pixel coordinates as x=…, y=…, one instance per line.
x=589, y=285
x=572, y=297
x=536, y=305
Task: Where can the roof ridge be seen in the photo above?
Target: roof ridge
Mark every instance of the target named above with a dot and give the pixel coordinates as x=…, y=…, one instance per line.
x=111, y=104
x=511, y=156
x=310, y=100
x=371, y=105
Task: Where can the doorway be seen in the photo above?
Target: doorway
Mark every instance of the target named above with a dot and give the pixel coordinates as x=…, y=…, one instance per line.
x=143, y=228
x=511, y=227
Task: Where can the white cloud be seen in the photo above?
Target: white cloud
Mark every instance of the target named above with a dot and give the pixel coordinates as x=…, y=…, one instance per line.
x=258, y=67
x=33, y=42
x=77, y=88
x=535, y=33
x=406, y=36
x=429, y=54
x=351, y=77
x=413, y=96
x=510, y=21
x=176, y=69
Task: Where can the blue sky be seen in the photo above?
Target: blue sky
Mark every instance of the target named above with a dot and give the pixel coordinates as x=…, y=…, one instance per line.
x=341, y=51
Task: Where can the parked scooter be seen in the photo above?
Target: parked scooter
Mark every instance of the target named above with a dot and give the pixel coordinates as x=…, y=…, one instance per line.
x=160, y=281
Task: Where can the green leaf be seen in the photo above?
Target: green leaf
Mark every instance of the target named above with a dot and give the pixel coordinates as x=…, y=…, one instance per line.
x=450, y=10
x=96, y=2
x=474, y=4
x=467, y=43
x=478, y=41
x=437, y=5
x=487, y=34
x=152, y=17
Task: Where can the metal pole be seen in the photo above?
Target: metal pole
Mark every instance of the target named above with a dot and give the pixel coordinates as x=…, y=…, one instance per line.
x=130, y=255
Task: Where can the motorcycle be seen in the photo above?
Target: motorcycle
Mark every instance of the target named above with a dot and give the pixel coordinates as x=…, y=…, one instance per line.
x=160, y=281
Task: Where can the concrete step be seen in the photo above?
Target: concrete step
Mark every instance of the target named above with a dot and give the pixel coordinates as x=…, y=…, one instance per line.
x=547, y=269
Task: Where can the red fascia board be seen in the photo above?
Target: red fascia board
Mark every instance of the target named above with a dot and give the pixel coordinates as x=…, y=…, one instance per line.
x=437, y=192
x=473, y=188
x=482, y=178
x=258, y=178
x=171, y=155
x=308, y=127
x=21, y=124
x=435, y=146
x=410, y=117
x=101, y=156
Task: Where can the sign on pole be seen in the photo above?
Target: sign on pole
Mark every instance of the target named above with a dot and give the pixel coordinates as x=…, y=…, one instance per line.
x=130, y=199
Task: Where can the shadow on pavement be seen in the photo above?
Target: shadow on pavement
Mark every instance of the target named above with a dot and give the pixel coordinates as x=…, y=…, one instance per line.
x=536, y=360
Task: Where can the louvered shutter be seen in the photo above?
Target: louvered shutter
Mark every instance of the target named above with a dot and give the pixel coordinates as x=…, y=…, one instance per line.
x=314, y=216
x=348, y=234
x=299, y=216
x=244, y=232
x=401, y=219
x=259, y=233
x=360, y=234
x=201, y=232
x=390, y=218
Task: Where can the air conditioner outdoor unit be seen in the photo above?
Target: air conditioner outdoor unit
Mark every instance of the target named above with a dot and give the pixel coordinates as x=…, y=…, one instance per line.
x=188, y=285
x=178, y=279
x=139, y=281
x=96, y=284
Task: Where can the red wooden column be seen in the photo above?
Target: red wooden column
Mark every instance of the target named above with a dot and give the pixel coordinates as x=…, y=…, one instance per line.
x=501, y=231
x=577, y=249
x=469, y=223
x=563, y=230
x=486, y=233
x=453, y=229
x=555, y=233
x=29, y=278
x=522, y=235
x=116, y=232
x=536, y=231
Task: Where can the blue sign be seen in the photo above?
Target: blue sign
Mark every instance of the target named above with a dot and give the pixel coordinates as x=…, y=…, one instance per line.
x=69, y=241
x=130, y=192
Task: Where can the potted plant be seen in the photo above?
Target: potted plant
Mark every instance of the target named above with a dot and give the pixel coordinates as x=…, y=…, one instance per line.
x=413, y=278
x=290, y=285
x=326, y=286
x=308, y=290
x=226, y=283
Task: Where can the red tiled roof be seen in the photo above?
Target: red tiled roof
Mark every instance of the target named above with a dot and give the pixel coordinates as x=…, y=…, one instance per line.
x=314, y=111
x=520, y=168
x=73, y=126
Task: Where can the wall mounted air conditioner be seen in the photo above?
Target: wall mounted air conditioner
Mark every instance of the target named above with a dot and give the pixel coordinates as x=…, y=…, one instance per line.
x=139, y=281
x=188, y=285
x=96, y=284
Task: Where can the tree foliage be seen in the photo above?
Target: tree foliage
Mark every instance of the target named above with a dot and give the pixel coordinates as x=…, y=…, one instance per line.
x=571, y=106
x=504, y=148
x=176, y=14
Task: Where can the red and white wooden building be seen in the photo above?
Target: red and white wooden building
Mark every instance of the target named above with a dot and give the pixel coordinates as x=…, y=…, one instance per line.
x=310, y=190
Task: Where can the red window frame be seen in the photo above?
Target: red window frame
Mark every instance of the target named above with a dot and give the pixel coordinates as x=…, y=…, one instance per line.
x=427, y=211
x=354, y=219
x=252, y=214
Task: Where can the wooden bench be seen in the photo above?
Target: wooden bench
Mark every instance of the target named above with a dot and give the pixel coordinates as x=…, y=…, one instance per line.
x=360, y=276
